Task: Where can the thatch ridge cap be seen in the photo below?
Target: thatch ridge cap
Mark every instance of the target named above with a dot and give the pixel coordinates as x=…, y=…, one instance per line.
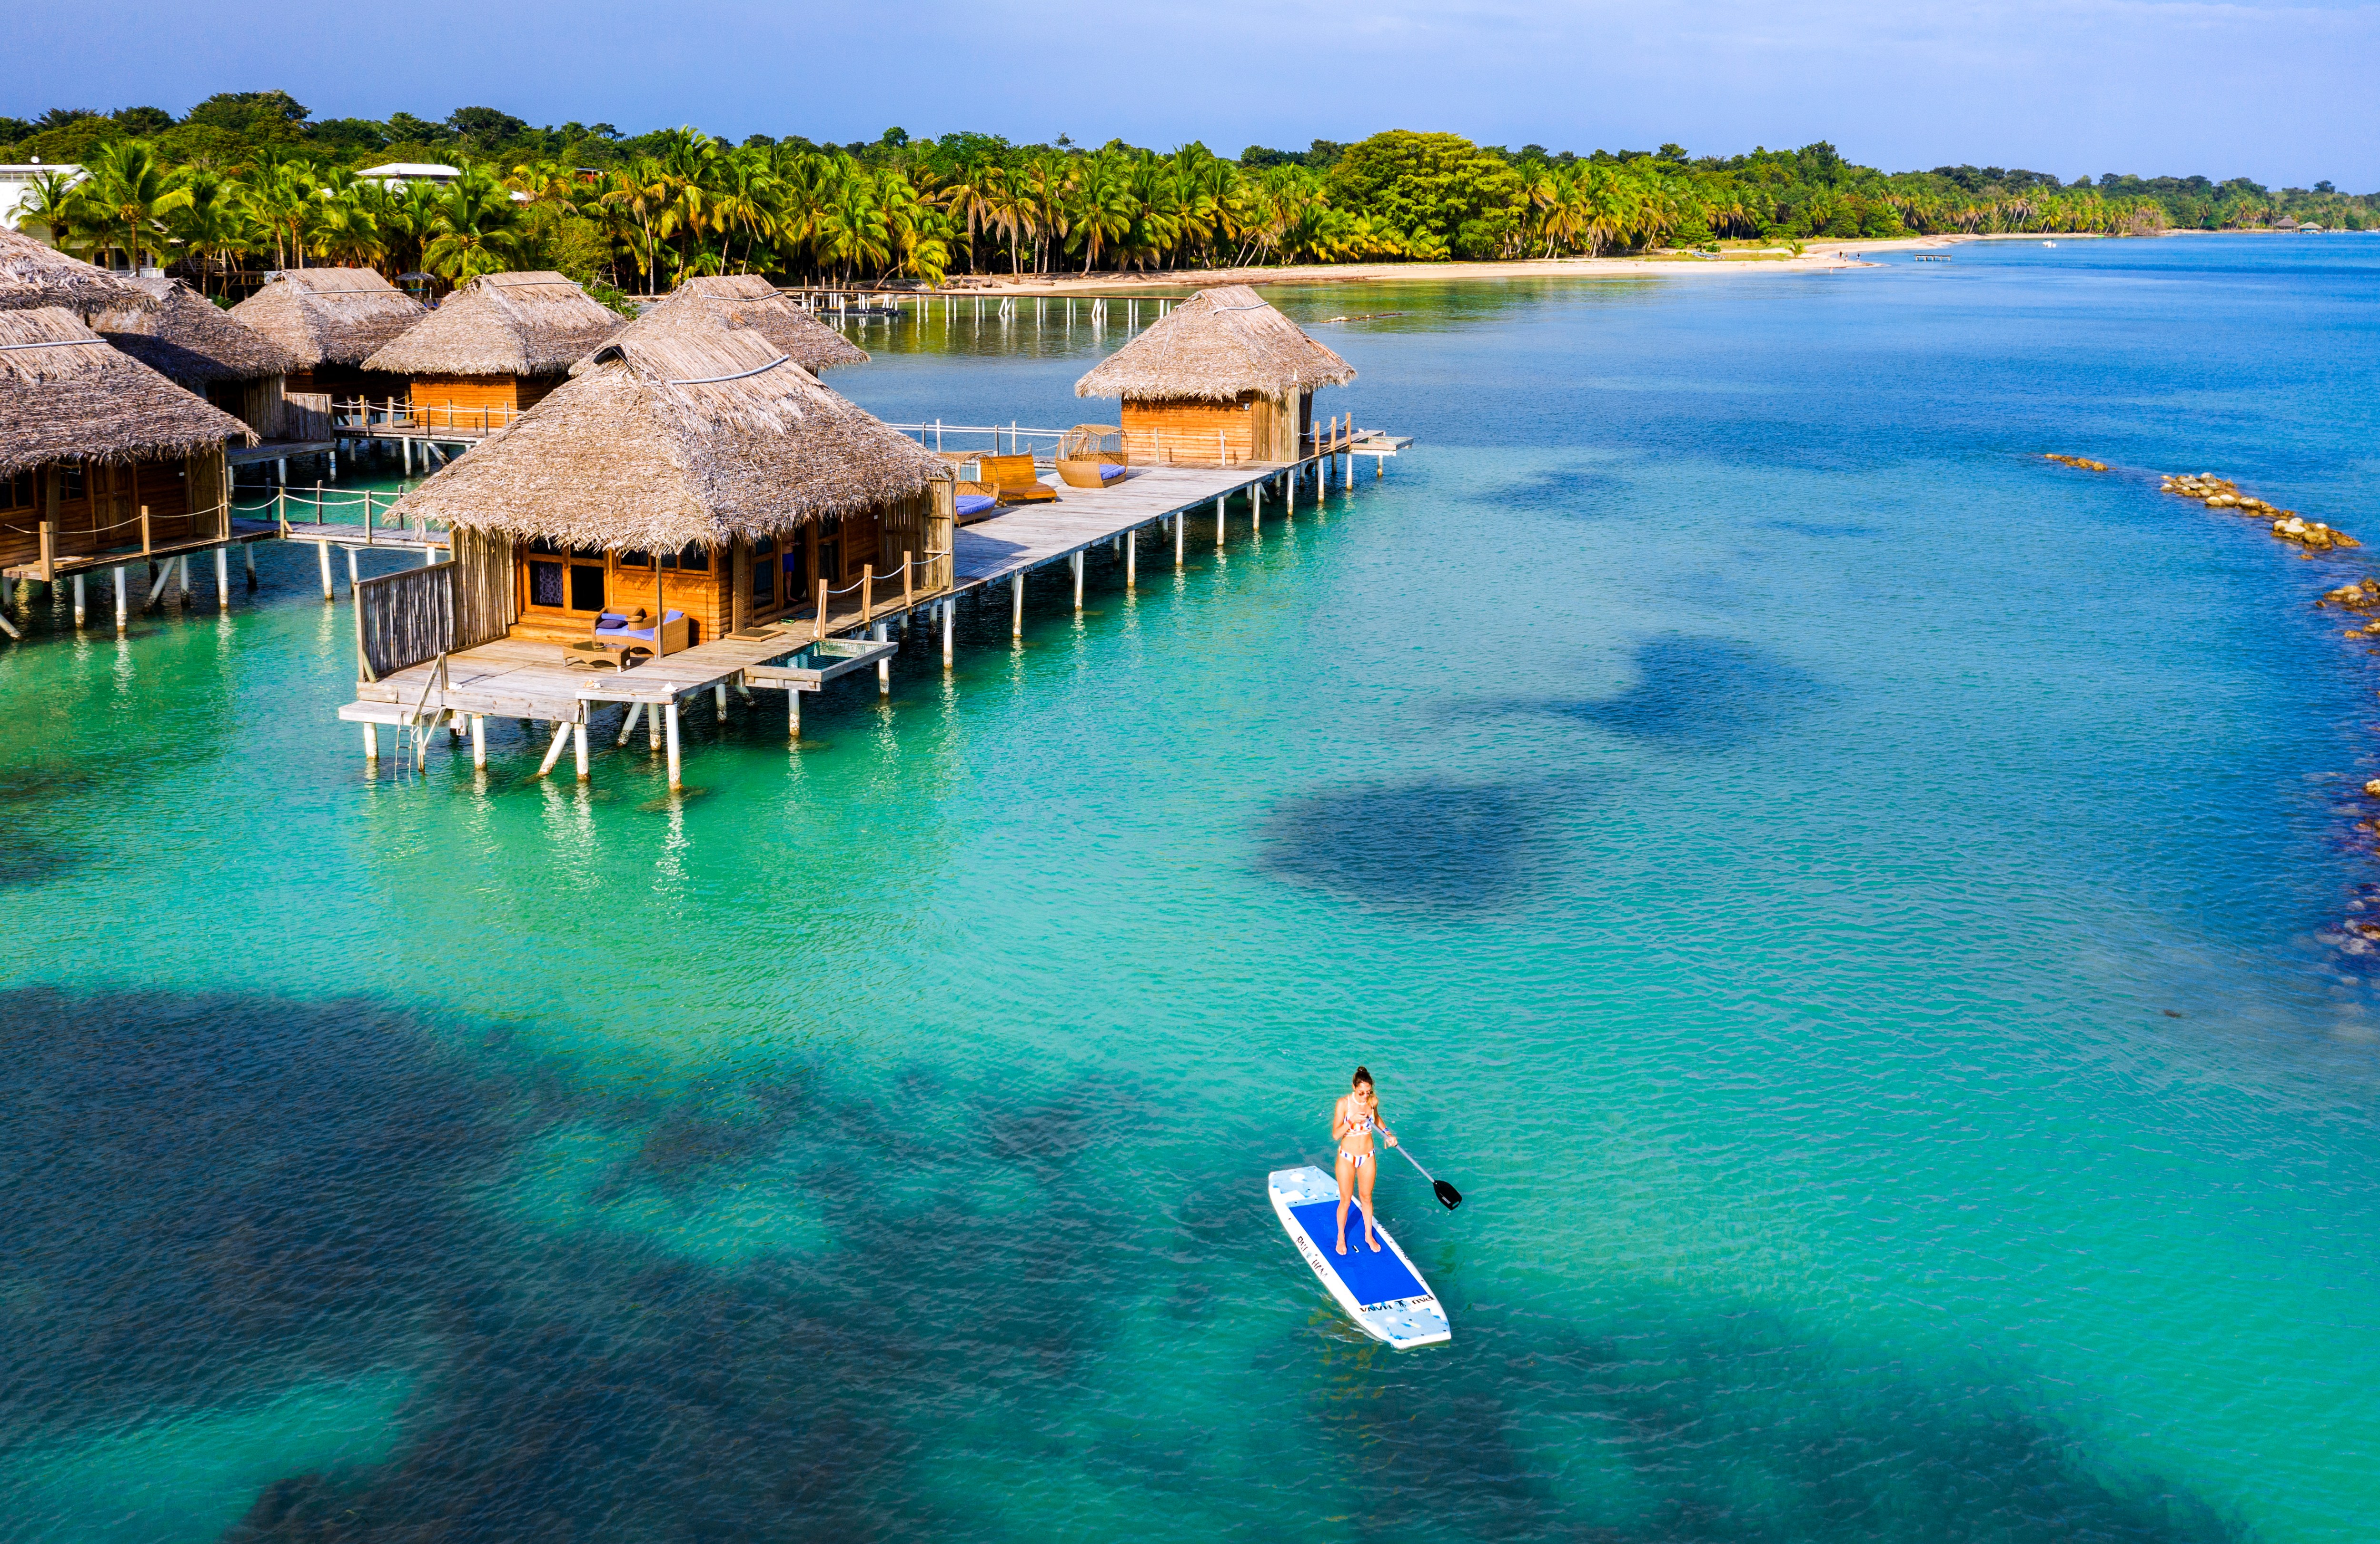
x=1221, y=343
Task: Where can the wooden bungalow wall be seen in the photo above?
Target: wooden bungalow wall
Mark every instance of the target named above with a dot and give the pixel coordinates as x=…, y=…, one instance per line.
x=95, y=508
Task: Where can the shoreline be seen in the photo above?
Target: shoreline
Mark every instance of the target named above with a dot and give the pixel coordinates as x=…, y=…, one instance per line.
x=1821, y=258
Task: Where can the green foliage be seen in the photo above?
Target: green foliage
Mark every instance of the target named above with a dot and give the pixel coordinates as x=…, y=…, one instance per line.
x=256, y=115
x=1440, y=183
x=142, y=122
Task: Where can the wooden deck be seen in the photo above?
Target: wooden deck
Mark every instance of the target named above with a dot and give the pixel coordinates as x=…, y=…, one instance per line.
x=526, y=678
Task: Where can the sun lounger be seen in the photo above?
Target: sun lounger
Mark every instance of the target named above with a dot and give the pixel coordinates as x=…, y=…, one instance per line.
x=1013, y=480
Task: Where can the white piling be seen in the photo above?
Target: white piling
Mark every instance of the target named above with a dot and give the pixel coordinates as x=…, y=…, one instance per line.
x=77, y=600
x=247, y=556
x=223, y=579
x=119, y=600
x=719, y=703
x=1219, y=525
x=351, y=573
x=480, y=740
x=1075, y=562
x=1017, y=589
x=579, y=749
x=670, y=734
x=883, y=664
x=329, y=590
x=947, y=649
x=1179, y=525
x=628, y=723
x=1131, y=556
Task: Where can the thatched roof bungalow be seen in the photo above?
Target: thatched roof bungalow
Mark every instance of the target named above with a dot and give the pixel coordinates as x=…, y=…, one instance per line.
x=494, y=347
x=749, y=300
x=696, y=461
x=333, y=320
x=203, y=348
x=90, y=438
x=33, y=276
x=1222, y=378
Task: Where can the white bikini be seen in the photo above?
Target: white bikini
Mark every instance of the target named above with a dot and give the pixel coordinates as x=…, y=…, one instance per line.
x=1361, y=1128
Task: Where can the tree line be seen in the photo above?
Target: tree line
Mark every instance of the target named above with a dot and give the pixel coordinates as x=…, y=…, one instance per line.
x=249, y=180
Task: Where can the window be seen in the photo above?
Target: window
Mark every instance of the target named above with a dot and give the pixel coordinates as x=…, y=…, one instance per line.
x=17, y=493
x=74, y=488
x=690, y=558
x=586, y=586
x=545, y=585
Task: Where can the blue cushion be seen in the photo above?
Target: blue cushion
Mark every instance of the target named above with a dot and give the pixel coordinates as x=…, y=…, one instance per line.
x=975, y=503
x=1108, y=474
x=644, y=633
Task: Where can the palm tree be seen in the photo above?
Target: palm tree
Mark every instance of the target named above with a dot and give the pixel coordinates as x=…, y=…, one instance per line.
x=128, y=188
x=473, y=229
x=638, y=198
x=206, y=220
x=1101, y=207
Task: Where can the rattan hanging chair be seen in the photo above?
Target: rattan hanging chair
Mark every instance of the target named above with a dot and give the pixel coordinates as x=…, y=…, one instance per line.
x=1091, y=455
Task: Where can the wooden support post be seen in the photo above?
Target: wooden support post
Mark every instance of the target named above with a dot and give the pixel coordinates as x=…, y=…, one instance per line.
x=1075, y=562
x=1255, y=506
x=553, y=751
x=1179, y=525
x=79, y=609
x=908, y=590
x=352, y=581
x=669, y=733
x=883, y=665
x=948, y=607
x=182, y=590
x=144, y=529
x=792, y=713
x=821, y=608
x=628, y=723
x=247, y=556
x=119, y=600
x=49, y=537
x=653, y=727
x=480, y=740
x=371, y=746
x=330, y=589
x=1219, y=525
x=1289, y=492
x=281, y=472
x=579, y=749
x=719, y=701
x=1016, y=591
x=868, y=592
x=223, y=579
x=1131, y=556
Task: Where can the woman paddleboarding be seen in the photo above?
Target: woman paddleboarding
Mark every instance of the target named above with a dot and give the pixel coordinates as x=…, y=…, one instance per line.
x=1353, y=1120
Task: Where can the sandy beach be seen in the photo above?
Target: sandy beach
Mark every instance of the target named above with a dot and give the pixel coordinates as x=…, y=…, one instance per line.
x=1816, y=257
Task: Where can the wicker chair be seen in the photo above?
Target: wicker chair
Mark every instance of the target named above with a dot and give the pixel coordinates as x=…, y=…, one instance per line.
x=1091, y=455
x=1012, y=479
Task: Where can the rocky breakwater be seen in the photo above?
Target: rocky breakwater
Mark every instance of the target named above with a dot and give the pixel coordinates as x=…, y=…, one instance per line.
x=2218, y=493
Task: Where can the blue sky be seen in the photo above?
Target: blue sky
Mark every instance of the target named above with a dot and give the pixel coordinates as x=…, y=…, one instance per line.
x=2277, y=92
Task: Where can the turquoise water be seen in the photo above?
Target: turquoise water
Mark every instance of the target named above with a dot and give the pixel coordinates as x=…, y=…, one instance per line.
x=1857, y=908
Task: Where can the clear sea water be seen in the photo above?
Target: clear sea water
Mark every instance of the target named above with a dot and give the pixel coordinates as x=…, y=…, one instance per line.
x=1859, y=910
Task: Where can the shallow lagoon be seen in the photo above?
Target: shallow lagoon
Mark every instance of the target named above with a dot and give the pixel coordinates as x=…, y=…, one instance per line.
x=1760, y=822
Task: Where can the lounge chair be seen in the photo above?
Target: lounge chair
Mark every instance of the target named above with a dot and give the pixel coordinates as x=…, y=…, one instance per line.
x=619, y=628
x=974, y=506
x=1013, y=480
x=1091, y=455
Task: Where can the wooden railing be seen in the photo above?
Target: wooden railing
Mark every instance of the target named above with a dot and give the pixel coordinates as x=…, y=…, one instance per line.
x=391, y=416
x=404, y=618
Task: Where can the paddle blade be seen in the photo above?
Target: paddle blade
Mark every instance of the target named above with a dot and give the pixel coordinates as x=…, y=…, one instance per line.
x=1447, y=1197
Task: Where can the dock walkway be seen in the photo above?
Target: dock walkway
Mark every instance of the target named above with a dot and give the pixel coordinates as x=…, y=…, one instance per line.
x=526, y=678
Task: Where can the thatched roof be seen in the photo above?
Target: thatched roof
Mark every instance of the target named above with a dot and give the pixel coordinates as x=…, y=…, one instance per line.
x=1217, y=346
x=749, y=300
x=669, y=435
x=32, y=275
x=338, y=316
x=65, y=393
x=188, y=339
x=502, y=325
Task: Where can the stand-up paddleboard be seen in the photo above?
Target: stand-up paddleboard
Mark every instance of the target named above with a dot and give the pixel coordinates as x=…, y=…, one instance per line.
x=1381, y=1290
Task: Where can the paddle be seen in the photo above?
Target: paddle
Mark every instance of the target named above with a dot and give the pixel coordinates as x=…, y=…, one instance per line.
x=1447, y=1197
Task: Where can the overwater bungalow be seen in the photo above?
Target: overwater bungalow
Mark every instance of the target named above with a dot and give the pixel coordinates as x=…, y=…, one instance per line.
x=101, y=459
x=494, y=349
x=333, y=320
x=690, y=471
x=33, y=276
x=204, y=349
x=1221, y=379
x=749, y=300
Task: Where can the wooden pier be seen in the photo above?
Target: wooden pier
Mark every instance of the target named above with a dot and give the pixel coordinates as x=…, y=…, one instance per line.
x=526, y=678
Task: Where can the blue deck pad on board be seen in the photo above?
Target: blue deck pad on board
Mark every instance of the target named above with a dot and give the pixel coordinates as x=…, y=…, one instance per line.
x=1372, y=1278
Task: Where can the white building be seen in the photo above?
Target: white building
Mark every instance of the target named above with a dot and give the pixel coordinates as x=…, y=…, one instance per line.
x=397, y=173
x=16, y=184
